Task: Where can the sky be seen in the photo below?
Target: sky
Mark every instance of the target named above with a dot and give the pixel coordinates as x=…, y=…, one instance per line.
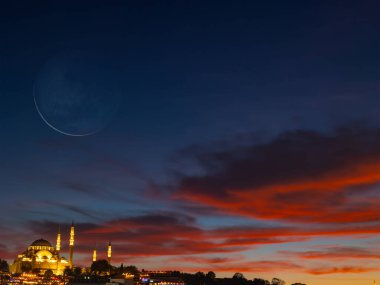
x=233, y=136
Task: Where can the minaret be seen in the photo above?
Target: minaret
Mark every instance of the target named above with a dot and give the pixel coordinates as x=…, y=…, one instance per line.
x=71, y=245
x=58, y=245
x=94, y=255
x=109, y=252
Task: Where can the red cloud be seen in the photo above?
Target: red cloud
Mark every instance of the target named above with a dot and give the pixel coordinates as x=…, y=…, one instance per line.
x=299, y=177
x=179, y=239
x=170, y=234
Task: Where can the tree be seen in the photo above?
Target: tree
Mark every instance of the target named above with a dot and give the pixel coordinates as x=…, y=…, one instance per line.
x=48, y=274
x=199, y=278
x=131, y=269
x=200, y=274
x=258, y=281
x=238, y=275
x=77, y=272
x=120, y=269
x=100, y=266
x=278, y=281
x=4, y=267
x=238, y=279
x=210, y=275
x=68, y=272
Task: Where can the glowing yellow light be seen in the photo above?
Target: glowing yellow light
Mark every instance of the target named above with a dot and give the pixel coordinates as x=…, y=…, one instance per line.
x=109, y=252
x=58, y=246
x=72, y=236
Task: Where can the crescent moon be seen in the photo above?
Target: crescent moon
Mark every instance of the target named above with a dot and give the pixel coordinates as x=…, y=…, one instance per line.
x=50, y=125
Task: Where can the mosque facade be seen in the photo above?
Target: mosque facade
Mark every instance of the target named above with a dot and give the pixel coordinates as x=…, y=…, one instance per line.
x=41, y=256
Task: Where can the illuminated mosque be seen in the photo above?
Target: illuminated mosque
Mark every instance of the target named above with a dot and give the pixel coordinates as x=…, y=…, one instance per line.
x=42, y=256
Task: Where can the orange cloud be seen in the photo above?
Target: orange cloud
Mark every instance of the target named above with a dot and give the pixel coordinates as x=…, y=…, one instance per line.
x=299, y=177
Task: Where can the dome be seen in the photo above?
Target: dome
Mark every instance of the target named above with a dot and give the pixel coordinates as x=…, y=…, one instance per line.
x=41, y=242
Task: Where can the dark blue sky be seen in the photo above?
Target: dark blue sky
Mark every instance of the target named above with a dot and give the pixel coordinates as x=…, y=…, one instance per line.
x=201, y=82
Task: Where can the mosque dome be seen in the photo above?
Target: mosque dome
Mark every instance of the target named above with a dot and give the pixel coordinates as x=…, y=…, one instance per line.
x=41, y=242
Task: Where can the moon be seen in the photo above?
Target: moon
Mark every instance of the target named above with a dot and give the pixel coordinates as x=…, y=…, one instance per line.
x=74, y=94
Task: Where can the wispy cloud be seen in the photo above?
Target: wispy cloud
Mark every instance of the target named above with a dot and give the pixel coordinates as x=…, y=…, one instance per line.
x=340, y=253
x=345, y=269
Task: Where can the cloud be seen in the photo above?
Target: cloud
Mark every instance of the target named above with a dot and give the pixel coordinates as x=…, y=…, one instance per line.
x=208, y=260
x=95, y=191
x=300, y=176
x=344, y=269
x=341, y=253
x=5, y=253
x=163, y=233
x=74, y=209
x=151, y=234
x=178, y=239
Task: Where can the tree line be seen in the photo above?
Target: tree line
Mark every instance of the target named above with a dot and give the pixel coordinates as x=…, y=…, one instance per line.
x=199, y=278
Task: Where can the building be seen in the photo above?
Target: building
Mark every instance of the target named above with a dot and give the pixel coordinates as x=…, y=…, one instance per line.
x=159, y=278
x=121, y=281
x=41, y=256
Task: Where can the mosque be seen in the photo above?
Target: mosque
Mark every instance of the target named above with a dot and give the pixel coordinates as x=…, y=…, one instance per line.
x=42, y=256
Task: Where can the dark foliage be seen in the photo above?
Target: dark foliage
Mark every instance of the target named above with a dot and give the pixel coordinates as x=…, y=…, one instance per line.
x=4, y=267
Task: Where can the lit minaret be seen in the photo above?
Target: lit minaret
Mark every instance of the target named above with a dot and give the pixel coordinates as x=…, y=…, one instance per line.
x=58, y=245
x=109, y=252
x=94, y=255
x=71, y=245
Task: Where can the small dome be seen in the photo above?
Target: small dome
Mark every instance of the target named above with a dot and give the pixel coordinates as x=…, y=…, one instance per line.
x=41, y=242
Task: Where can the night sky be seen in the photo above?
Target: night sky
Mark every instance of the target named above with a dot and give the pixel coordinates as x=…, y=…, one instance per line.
x=233, y=136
